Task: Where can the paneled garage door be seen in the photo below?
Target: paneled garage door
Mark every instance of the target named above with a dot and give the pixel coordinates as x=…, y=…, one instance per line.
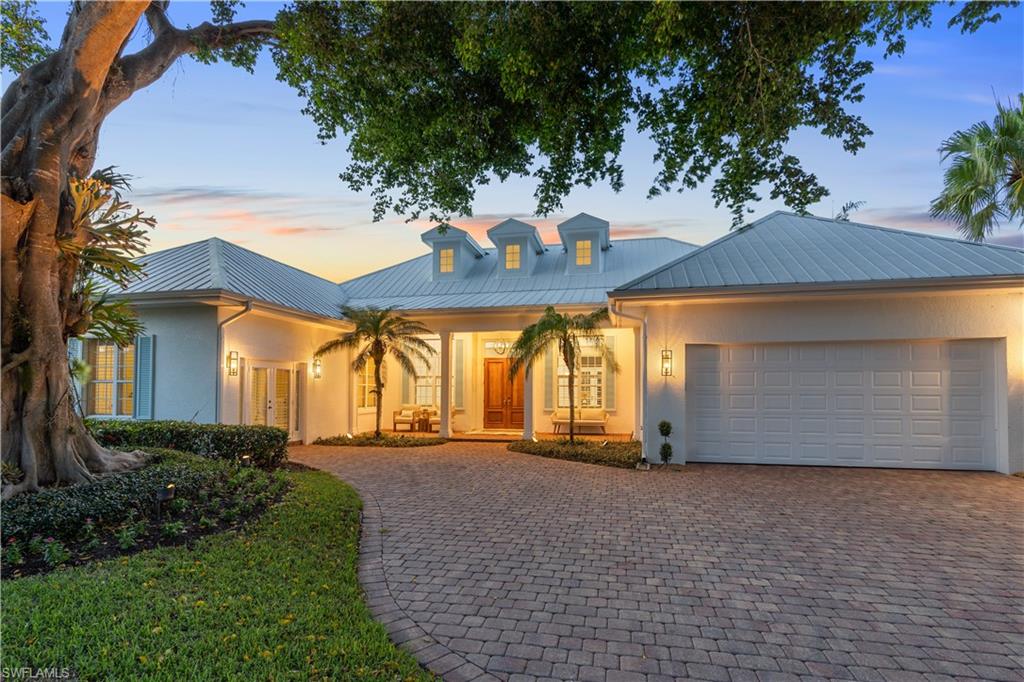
x=892, y=404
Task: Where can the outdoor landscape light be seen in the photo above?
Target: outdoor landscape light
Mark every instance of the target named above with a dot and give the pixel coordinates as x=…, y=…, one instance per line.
x=317, y=368
x=533, y=438
x=165, y=494
x=348, y=435
x=246, y=460
x=666, y=363
x=233, y=363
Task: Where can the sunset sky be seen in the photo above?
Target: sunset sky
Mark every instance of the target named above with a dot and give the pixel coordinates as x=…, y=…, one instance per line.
x=219, y=152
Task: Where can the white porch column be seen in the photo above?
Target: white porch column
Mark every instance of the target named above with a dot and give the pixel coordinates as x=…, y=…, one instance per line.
x=445, y=429
x=528, y=402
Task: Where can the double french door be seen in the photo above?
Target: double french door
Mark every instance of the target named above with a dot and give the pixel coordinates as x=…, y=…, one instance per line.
x=503, y=397
x=273, y=396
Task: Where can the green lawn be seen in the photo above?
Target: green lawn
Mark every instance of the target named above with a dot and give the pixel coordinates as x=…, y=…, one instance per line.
x=278, y=601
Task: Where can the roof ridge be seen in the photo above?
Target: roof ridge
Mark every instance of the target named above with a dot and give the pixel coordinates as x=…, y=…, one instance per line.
x=272, y=260
x=216, y=262
x=729, y=235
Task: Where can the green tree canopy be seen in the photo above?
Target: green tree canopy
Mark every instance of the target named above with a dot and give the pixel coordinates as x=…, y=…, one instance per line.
x=438, y=99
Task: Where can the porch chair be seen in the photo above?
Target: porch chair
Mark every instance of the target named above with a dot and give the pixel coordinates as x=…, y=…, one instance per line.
x=407, y=415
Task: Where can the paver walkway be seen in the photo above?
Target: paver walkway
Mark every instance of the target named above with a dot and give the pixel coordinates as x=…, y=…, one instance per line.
x=491, y=564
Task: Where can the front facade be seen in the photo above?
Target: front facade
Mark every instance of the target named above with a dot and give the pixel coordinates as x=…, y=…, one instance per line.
x=794, y=340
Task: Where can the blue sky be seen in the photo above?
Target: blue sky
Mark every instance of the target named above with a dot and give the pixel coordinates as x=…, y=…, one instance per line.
x=219, y=152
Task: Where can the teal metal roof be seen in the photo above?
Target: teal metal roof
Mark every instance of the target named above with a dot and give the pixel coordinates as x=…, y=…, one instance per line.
x=789, y=249
x=214, y=265
x=409, y=285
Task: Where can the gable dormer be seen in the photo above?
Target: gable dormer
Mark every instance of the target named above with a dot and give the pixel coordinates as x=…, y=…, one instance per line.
x=585, y=240
x=519, y=247
x=455, y=251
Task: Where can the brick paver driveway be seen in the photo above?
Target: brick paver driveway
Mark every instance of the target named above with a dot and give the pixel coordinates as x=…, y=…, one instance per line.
x=485, y=562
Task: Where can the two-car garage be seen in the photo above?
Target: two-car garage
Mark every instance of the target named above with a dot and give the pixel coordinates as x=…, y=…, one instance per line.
x=902, y=404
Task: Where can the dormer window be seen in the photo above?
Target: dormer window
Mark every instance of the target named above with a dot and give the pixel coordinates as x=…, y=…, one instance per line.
x=446, y=260
x=583, y=252
x=512, y=257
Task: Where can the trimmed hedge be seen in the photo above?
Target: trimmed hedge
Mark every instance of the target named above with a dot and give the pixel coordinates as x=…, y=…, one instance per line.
x=385, y=441
x=62, y=512
x=622, y=454
x=267, y=445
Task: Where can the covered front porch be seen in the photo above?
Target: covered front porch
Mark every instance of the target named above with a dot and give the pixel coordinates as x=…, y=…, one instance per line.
x=465, y=391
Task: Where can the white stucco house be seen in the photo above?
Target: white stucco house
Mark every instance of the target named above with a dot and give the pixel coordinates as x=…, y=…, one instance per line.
x=793, y=340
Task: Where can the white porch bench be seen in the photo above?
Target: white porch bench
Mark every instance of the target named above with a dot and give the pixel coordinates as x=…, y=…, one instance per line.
x=587, y=417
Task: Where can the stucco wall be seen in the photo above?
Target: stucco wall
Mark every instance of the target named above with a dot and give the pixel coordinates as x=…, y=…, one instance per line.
x=184, y=366
x=622, y=418
x=994, y=315
x=262, y=337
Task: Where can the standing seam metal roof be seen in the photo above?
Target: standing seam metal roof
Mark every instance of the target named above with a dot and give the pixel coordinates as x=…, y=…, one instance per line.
x=786, y=248
x=217, y=265
x=410, y=286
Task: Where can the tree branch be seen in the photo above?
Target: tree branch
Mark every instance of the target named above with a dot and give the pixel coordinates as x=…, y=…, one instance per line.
x=146, y=66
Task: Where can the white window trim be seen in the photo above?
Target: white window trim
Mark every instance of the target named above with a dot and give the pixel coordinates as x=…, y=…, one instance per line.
x=428, y=373
x=364, y=384
x=518, y=257
x=577, y=253
x=116, y=393
x=440, y=260
x=562, y=381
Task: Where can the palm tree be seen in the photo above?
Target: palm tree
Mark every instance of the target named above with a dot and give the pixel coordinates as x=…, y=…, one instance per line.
x=984, y=184
x=566, y=331
x=378, y=333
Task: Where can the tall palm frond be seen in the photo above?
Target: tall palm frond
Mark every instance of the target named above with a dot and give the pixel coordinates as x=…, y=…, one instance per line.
x=377, y=333
x=564, y=332
x=984, y=183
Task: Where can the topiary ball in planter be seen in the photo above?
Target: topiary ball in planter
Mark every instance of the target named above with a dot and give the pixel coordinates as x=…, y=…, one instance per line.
x=665, y=428
x=666, y=453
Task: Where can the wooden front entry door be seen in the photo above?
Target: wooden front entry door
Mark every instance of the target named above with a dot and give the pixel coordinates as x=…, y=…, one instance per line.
x=503, y=399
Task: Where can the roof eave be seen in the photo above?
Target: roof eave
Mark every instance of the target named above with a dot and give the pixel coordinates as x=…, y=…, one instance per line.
x=219, y=297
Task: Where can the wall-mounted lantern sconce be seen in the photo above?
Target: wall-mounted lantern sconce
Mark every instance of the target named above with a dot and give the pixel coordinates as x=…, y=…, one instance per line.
x=233, y=363
x=318, y=368
x=666, y=363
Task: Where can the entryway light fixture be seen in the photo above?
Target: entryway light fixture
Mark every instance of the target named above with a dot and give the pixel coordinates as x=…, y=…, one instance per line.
x=318, y=370
x=233, y=363
x=666, y=363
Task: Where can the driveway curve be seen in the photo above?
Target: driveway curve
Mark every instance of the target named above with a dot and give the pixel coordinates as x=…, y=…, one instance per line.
x=490, y=564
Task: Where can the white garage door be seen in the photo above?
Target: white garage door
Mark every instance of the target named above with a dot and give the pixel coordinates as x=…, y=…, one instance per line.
x=893, y=404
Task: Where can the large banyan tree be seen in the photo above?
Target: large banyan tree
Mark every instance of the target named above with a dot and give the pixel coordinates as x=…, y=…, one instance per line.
x=434, y=99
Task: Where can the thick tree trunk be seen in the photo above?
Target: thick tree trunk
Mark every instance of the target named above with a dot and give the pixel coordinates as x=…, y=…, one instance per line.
x=51, y=119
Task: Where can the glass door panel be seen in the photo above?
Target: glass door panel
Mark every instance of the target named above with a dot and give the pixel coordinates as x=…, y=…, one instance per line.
x=282, y=398
x=258, y=396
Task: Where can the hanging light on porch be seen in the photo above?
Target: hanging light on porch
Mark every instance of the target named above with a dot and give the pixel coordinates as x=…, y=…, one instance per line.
x=666, y=362
x=233, y=363
x=318, y=370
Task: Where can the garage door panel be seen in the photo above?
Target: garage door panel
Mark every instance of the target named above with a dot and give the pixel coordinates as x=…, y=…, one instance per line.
x=894, y=404
x=811, y=402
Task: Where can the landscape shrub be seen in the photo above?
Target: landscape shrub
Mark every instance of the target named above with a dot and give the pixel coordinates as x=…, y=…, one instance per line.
x=666, y=453
x=385, y=441
x=266, y=445
x=119, y=512
x=278, y=600
x=622, y=454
